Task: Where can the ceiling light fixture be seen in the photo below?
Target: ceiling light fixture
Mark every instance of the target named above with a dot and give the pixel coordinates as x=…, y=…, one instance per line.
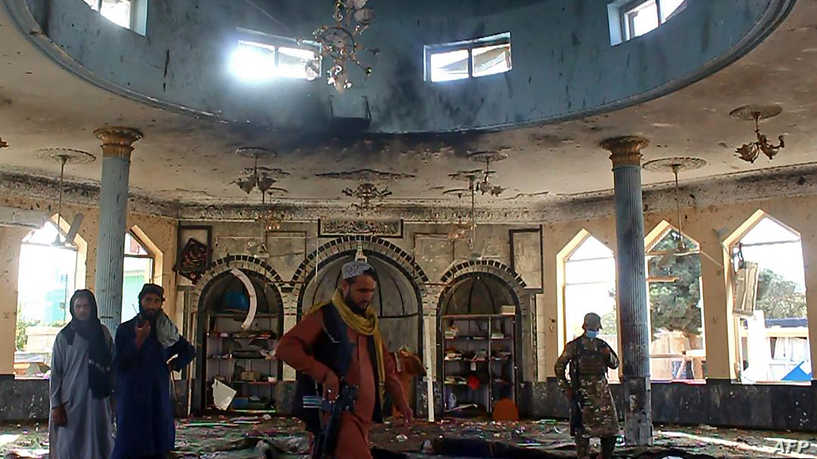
x=750, y=151
x=340, y=41
x=65, y=156
x=261, y=177
x=460, y=229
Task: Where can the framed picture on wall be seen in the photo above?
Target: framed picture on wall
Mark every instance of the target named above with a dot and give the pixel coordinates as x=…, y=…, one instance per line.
x=526, y=255
x=194, y=255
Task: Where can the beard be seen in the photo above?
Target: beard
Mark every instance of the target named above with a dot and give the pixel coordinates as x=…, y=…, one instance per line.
x=349, y=302
x=150, y=314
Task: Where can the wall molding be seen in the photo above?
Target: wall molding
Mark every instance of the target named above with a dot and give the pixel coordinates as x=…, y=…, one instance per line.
x=757, y=185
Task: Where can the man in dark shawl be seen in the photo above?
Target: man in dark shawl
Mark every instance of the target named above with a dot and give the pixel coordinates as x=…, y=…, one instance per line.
x=81, y=422
x=148, y=348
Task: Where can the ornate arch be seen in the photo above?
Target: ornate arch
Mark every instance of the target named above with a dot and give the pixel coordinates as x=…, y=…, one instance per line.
x=229, y=262
x=498, y=269
x=346, y=244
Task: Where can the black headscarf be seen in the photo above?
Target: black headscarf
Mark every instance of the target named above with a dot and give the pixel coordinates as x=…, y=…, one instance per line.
x=99, y=358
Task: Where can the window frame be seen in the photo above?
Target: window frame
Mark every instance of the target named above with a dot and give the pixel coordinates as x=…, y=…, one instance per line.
x=149, y=255
x=250, y=37
x=503, y=38
x=137, y=22
x=621, y=24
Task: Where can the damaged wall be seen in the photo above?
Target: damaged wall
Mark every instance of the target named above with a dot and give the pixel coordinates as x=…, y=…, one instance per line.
x=562, y=68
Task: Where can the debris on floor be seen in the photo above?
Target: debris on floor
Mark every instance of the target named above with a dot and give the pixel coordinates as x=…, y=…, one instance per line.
x=245, y=437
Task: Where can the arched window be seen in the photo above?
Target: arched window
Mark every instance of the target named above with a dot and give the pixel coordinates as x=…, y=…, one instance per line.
x=589, y=286
x=138, y=271
x=676, y=305
x=774, y=339
x=46, y=281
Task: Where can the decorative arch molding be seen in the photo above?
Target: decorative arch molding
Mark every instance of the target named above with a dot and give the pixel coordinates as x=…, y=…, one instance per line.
x=244, y=262
x=346, y=244
x=496, y=268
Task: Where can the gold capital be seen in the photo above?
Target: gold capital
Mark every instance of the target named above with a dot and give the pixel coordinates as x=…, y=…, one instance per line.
x=117, y=141
x=626, y=150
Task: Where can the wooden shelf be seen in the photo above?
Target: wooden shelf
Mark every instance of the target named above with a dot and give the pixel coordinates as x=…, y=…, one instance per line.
x=241, y=335
x=215, y=357
x=476, y=330
x=254, y=383
x=243, y=315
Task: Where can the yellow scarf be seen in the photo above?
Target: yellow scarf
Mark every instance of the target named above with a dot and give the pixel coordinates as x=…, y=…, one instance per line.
x=365, y=325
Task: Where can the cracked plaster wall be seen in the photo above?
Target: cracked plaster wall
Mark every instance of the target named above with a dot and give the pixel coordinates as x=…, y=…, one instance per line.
x=563, y=63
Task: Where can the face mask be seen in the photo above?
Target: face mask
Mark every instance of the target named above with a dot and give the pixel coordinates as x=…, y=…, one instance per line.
x=591, y=333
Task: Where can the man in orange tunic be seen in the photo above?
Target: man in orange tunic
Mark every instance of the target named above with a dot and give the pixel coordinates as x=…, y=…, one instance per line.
x=340, y=341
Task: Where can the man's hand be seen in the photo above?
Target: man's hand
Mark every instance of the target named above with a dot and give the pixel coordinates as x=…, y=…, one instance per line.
x=331, y=386
x=142, y=333
x=569, y=394
x=58, y=416
x=408, y=416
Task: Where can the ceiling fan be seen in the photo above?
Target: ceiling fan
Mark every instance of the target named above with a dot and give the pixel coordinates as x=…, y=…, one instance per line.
x=65, y=156
x=681, y=249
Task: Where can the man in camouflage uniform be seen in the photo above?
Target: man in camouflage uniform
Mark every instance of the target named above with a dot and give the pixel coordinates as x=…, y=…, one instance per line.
x=589, y=359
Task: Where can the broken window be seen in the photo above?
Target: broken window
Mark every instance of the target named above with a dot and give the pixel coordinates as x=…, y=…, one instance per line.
x=130, y=14
x=774, y=338
x=467, y=59
x=630, y=19
x=259, y=61
x=46, y=281
x=590, y=286
x=676, y=307
x=138, y=270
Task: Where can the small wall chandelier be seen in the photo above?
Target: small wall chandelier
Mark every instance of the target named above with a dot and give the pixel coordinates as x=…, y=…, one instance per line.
x=368, y=194
x=750, y=151
x=259, y=177
x=340, y=41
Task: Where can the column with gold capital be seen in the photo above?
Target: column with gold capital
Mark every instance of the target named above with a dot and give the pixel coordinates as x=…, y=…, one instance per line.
x=631, y=286
x=117, y=145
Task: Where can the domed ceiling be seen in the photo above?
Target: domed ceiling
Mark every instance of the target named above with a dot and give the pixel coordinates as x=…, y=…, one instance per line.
x=70, y=71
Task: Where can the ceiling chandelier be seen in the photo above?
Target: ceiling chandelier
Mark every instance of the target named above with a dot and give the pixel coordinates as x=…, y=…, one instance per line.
x=750, y=151
x=259, y=177
x=481, y=177
x=66, y=156
x=460, y=230
x=676, y=165
x=478, y=181
x=340, y=40
x=369, y=195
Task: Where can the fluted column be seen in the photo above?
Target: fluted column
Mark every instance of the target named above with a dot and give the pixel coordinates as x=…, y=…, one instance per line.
x=633, y=312
x=117, y=145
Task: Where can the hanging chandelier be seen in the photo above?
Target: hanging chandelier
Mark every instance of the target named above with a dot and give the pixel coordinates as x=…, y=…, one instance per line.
x=749, y=152
x=339, y=41
x=258, y=177
x=675, y=165
x=459, y=230
x=66, y=156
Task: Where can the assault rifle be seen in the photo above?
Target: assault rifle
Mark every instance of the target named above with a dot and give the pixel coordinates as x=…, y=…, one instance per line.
x=576, y=424
x=327, y=439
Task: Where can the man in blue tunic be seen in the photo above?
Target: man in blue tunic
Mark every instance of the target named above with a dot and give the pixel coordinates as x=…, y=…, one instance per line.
x=148, y=347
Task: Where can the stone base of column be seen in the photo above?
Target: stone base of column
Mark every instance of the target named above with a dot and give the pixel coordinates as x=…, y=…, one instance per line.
x=638, y=416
